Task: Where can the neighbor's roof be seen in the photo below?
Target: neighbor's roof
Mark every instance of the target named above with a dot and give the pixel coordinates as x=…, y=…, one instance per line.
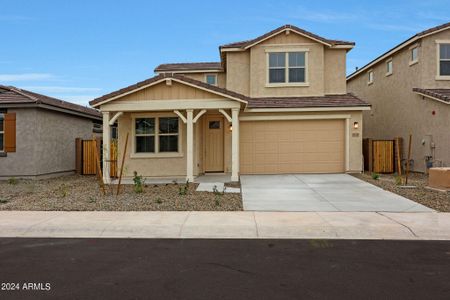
x=14, y=96
x=439, y=94
x=248, y=43
x=400, y=46
x=180, y=67
x=346, y=100
x=164, y=76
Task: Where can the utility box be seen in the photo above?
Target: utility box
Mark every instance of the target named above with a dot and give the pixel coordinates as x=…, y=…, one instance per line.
x=439, y=178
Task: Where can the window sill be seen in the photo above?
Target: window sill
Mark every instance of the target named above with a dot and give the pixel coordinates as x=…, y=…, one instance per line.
x=3, y=154
x=157, y=155
x=370, y=83
x=411, y=63
x=302, y=84
x=388, y=74
x=441, y=77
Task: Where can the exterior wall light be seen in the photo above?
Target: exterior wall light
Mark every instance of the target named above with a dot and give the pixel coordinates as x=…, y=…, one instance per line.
x=231, y=127
x=356, y=125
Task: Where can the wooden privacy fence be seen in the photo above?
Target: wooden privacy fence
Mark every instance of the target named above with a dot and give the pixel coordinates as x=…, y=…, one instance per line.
x=382, y=156
x=86, y=156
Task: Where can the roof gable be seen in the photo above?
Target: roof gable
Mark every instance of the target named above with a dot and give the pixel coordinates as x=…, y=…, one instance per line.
x=169, y=78
x=243, y=45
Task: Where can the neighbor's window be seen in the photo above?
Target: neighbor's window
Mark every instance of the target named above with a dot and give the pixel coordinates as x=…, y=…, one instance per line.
x=156, y=134
x=287, y=67
x=211, y=79
x=2, y=132
x=389, y=67
x=444, y=59
x=414, y=54
x=370, y=77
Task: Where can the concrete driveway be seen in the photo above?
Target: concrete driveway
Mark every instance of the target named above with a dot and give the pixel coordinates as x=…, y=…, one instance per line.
x=320, y=192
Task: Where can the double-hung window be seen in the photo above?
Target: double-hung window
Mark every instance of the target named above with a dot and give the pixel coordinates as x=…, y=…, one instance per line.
x=156, y=134
x=414, y=56
x=287, y=67
x=2, y=132
x=211, y=79
x=444, y=59
x=389, y=67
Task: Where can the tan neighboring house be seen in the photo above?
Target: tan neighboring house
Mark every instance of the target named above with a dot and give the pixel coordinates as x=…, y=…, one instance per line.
x=37, y=133
x=409, y=90
x=274, y=104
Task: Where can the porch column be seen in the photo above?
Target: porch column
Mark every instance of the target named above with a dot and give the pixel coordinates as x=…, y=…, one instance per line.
x=235, y=144
x=106, y=146
x=190, y=146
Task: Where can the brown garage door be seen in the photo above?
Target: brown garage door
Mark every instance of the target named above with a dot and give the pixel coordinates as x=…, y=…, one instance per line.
x=306, y=146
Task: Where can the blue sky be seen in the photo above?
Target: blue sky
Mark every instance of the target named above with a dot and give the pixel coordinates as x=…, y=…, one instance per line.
x=78, y=50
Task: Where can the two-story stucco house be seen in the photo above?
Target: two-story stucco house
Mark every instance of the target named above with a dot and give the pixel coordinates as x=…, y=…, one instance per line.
x=273, y=104
x=409, y=90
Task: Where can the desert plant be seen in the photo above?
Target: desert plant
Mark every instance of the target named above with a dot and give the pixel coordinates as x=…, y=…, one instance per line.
x=398, y=180
x=183, y=190
x=12, y=180
x=158, y=200
x=138, y=182
x=375, y=176
x=63, y=190
x=218, y=194
x=3, y=201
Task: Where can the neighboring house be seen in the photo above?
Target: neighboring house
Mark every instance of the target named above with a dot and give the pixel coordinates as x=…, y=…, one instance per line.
x=409, y=90
x=37, y=133
x=274, y=104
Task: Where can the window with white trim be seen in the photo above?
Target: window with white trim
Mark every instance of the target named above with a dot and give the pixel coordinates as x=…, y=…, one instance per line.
x=370, y=77
x=389, y=67
x=444, y=59
x=211, y=79
x=414, y=54
x=156, y=134
x=287, y=67
x=2, y=132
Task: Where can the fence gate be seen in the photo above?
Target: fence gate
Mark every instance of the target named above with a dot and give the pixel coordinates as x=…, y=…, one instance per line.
x=383, y=156
x=86, y=157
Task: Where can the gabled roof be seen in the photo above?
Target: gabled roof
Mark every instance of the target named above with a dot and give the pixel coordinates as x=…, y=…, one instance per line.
x=249, y=43
x=346, y=100
x=399, y=47
x=11, y=96
x=189, y=67
x=166, y=76
x=442, y=95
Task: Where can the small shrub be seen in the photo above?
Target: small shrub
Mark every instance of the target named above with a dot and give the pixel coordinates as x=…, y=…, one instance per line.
x=91, y=199
x=183, y=190
x=63, y=190
x=398, y=180
x=158, y=200
x=375, y=176
x=12, y=180
x=3, y=201
x=138, y=182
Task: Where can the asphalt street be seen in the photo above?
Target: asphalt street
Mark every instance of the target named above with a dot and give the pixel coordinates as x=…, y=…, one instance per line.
x=223, y=269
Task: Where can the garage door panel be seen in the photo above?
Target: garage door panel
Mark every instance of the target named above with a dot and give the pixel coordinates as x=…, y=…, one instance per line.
x=310, y=146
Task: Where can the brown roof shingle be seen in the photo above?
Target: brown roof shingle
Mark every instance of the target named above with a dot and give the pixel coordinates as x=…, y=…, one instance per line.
x=13, y=95
x=441, y=94
x=246, y=43
x=346, y=100
x=189, y=66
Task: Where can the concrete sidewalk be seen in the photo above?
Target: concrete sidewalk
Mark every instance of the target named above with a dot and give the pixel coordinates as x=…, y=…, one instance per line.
x=340, y=225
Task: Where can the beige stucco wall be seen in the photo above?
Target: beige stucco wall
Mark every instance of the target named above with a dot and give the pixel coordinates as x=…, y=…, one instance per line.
x=45, y=143
x=335, y=68
x=238, y=72
x=397, y=111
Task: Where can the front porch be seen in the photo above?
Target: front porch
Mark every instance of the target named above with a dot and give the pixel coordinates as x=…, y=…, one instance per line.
x=207, y=140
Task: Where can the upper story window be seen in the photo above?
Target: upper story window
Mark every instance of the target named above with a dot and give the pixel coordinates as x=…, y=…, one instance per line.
x=287, y=67
x=156, y=135
x=2, y=132
x=389, y=67
x=211, y=79
x=414, y=55
x=444, y=59
x=370, y=77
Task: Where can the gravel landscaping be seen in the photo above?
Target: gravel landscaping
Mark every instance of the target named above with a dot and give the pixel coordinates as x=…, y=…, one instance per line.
x=436, y=200
x=81, y=193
